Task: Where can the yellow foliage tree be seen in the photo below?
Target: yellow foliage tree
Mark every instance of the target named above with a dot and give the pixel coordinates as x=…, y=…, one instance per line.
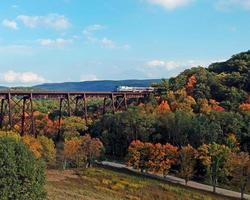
x=48, y=148
x=34, y=145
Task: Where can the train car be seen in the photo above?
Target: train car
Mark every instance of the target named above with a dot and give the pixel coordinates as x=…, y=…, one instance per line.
x=134, y=89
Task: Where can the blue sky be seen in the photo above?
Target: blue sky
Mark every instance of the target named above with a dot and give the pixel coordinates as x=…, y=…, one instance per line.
x=77, y=40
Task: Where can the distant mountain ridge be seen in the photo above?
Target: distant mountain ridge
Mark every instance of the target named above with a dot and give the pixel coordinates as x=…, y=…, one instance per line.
x=2, y=87
x=100, y=86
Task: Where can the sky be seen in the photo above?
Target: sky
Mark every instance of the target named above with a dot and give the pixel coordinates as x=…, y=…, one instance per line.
x=85, y=40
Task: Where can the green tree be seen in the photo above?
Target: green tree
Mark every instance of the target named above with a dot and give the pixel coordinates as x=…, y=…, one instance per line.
x=214, y=157
x=73, y=127
x=21, y=175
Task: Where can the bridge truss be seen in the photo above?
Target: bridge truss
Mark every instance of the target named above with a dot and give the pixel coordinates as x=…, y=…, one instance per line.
x=17, y=107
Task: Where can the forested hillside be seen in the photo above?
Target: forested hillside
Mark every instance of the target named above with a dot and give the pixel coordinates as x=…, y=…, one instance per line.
x=228, y=83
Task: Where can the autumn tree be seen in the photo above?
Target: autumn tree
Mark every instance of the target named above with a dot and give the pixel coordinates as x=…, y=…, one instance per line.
x=239, y=164
x=180, y=100
x=191, y=83
x=90, y=149
x=46, y=126
x=245, y=107
x=82, y=151
x=34, y=145
x=133, y=156
x=204, y=106
x=139, y=155
x=70, y=151
x=187, y=158
x=163, y=107
x=161, y=158
x=216, y=106
x=156, y=158
x=169, y=151
x=214, y=158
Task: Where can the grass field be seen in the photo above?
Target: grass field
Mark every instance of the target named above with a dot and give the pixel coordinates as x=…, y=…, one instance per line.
x=104, y=184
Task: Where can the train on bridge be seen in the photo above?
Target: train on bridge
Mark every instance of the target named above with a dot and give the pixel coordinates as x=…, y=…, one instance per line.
x=134, y=89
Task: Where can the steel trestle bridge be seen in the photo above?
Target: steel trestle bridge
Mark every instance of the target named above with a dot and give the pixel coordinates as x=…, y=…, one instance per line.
x=17, y=107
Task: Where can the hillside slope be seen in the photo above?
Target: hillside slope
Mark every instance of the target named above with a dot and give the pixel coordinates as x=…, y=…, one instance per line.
x=228, y=83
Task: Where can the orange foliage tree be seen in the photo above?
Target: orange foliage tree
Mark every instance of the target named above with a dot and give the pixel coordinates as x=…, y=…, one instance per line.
x=71, y=151
x=82, y=151
x=163, y=107
x=161, y=158
x=245, y=107
x=156, y=158
x=138, y=155
x=191, y=83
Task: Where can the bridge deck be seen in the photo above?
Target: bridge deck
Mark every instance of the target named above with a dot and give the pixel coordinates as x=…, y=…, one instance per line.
x=40, y=94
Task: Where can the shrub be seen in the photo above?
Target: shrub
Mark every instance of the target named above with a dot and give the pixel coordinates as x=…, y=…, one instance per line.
x=22, y=176
x=11, y=134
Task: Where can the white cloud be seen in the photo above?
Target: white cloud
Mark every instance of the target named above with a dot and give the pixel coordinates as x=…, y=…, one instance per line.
x=54, y=21
x=89, y=31
x=170, y=4
x=161, y=68
x=10, y=24
x=168, y=65
x=93, y=28
x=59, y=42
x=21, y=77
x=108, y=43
x=89, y=77
x=228, y=4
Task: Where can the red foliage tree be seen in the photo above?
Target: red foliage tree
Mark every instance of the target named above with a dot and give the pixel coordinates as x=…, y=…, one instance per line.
x=215, y=106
